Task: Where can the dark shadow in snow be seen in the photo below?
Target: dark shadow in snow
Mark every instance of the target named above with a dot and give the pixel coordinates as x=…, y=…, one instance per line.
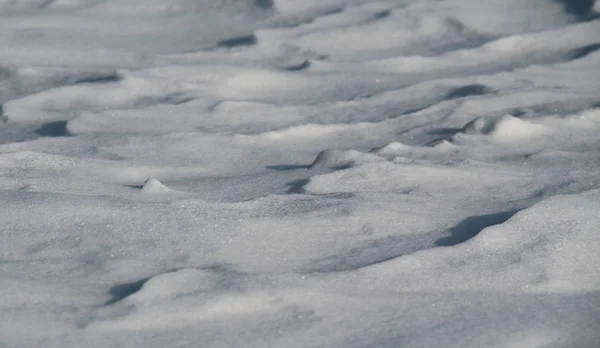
x=291, y=22
x=172, y=99
x=122, y=291
x=413, y=110
x=298, y=67
x=5, y=73
x=382, y=14
x=383, y=249
x=14, y=132
x=296, y=186
x=286, y=167
x=471, y=226
x=246, y=40
x=46, y=4
x=437, y=141
x=137, y=187
x=333, y=12
x=347, y=165
x=177, y=99
x=468, y=91
x=264, y=4
x=370, y=253
x=444, y=131
x=53, y=129
x=584, y=51
x=582, y=9
x=99, y=78
x=219, y=268
x=518, y=112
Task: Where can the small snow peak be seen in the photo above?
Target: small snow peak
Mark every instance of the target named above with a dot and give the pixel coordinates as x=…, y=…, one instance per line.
x=153, y=186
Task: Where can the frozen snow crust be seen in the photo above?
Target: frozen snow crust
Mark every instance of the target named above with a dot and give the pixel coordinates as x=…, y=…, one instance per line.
x=283, y=173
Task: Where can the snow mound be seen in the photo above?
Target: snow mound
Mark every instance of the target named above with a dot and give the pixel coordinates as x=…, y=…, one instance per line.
x=192, y=295
x=337, y=159
x=170, y=285
x=304, y=131
x=153, y=189
x=504, y=128
x=393, y=148
x=588, y=116
x=51, y=105
x=153, y=186
x=549, y=247
x=425, y=178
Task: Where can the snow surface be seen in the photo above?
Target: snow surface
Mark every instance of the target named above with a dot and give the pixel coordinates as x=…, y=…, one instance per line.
x=286, y=173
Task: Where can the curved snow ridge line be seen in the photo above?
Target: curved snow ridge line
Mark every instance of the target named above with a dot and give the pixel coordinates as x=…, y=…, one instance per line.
x=42, y=172
x=183, y=296
x=356, y=115
x=458, y=20
x=116, y=171
x=22, y=82
x=244, y=8
x=384, y=249
x=548, y=247
x=150, y=121
x=533, y=48
x=427, y=179
x=7, y=5
x=339, y=159
x=266, y=85
x=181, y=314
x=399, y=152
x=255, y=118
x=51, y=105
x=305, y=131
x=266, y=53
x=471, y=91
x=503, y=129
x=399, y=33
x=264, y=119
x=395, y=152
x=507, y=129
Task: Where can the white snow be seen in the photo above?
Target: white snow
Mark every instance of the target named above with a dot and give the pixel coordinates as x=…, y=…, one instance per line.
x=282, y=173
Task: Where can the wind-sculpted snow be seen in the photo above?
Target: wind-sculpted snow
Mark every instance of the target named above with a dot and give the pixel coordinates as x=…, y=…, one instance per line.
x=283, y=173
